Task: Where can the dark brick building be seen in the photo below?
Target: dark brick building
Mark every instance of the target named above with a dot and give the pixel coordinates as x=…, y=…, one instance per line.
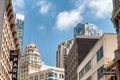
x=78, y=52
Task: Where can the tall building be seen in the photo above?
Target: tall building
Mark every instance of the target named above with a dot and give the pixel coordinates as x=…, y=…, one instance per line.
x=78, y=52
x=48, y=73
x=9, y=39
x=116, y=21
x=31, y=61
x=62, y=52
x=32, y=68
x=99, y=56
x=80, y=30
x=20, y=27
x=87, y=29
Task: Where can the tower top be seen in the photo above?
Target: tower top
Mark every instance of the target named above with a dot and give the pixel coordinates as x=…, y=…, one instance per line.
x=20, y=16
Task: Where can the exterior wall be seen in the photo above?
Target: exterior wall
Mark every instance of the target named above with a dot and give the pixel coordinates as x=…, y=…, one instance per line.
x=8, y=38
x=62, y=53
x=31, y=61
x=109, y=44
x=78, y=51
x=48, y=74
x=116, y=21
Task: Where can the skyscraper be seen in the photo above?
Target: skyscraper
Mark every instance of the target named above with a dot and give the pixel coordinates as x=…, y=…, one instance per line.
x=87, y=29
x=20, y=27
x=62, y=52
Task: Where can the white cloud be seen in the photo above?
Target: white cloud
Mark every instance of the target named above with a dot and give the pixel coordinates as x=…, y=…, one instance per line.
x=41, y=28
x=18, y=5
x=44, y=6
x=101, y=8
x=68, y=19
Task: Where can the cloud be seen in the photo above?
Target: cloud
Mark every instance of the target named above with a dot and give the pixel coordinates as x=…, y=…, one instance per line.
x=18, y=5
x=44, y=6
x=101, y=8
x=68, y=19
x=41, y=27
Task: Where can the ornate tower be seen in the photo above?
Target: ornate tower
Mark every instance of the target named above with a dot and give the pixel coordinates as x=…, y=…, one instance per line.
x=116, y=21
x=31, y=61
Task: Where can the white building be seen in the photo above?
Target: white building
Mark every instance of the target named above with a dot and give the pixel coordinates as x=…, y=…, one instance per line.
x=48, y=73
x=99, y=56
x=32, y=68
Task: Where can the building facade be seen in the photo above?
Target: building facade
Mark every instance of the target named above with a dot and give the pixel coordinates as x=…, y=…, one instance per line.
x=48, y=73
x=79, y=50
x=87, y=29
x=32, y=68
x=99, y=57
x=9, y=39
x=62, y=52
x=30, y=61
x=20, y=27
x=116, y=21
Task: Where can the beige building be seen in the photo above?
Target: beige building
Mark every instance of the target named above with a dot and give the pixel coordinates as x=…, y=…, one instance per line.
x=116, y=21
x=32, y=68
x=30, y=61
x=100, y=56
x=62, y=52
x=48, y=73
x=79, y=50
x=8, y=38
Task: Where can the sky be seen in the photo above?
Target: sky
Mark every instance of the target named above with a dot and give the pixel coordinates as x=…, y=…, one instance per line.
x=48, y=23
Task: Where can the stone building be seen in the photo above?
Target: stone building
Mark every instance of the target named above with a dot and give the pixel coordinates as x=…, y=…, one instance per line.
x=9, y=39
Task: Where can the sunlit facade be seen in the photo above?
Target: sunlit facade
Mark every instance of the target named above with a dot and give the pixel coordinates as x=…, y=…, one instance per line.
x=62, y=52
x=30, y=61
x=9, y=39
x=48, y=73
x=100, y=56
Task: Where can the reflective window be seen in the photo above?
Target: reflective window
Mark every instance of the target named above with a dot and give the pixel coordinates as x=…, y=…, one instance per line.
x=100, y=54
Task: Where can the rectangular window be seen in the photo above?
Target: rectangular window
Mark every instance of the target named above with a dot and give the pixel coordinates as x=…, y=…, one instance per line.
x=85, y=70
x=100, y=54
x=99, y=73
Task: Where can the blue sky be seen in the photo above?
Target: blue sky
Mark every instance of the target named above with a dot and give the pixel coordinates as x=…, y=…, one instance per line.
x=50, y=22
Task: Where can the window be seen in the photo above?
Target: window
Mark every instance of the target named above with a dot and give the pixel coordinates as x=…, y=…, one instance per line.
x=99, y=73
x=36, y=77
x=85, y=69
x=55, y=75
x=51, y=74
x=100, y=54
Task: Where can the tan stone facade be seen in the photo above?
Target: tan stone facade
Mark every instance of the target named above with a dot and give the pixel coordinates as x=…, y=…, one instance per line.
x=116, y=21
x=100, y=56
x=8, y=38
x=62, y=52
x=31, y=61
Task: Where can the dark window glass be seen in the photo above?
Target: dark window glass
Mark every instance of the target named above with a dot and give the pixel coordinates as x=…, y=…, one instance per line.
x=100, y=54
x=99, y=73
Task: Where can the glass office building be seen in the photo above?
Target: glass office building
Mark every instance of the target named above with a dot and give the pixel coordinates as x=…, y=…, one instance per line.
x=20, y=28
x=87, y=29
